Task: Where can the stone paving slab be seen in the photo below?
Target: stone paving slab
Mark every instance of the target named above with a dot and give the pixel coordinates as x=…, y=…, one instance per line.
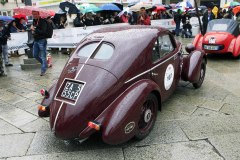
x=36, y=125
x=17, y=117
x=201, y=127
x=233, y=109
x=197, y=150
x=26, y=104
x=15, y=144
x=164, y=132
x=166, y=115
x=6, y=128
x=45, y=142
x=101, y=154
x=212, y=105
x=228, y=145
x=176, y=104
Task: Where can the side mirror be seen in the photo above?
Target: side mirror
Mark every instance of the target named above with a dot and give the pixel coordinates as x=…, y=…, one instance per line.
x=189, y=48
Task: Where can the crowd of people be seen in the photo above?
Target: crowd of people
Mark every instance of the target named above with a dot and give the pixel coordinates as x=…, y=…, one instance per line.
x=142, y=17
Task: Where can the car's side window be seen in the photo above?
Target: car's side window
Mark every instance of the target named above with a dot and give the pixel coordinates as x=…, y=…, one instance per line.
x=155, y=52
x=165, y=45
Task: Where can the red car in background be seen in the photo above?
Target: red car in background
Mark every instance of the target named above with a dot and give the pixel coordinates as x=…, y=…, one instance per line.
x=115, y=82
x=222, y=37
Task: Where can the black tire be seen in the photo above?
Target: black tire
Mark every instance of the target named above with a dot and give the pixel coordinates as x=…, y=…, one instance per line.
x=202, y=75
x=146, y=123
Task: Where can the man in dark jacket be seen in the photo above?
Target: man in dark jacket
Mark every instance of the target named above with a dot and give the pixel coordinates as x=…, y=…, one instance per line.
x=5, y=35
x=39, y=29
x=1, y=60
x=207, y=16
x=177, y=19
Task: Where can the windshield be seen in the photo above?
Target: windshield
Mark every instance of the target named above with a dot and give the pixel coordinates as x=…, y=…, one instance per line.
x=92, y=50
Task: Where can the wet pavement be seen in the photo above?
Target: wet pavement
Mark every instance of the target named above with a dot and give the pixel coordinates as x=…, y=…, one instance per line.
x=193, y=124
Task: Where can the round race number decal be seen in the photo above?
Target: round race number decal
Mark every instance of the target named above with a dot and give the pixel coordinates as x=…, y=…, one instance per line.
x=169, y=75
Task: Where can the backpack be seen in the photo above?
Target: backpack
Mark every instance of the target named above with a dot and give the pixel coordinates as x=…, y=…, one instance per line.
x=49, y=31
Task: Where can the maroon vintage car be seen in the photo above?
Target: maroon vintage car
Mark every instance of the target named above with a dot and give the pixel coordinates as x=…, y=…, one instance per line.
x=115, y=82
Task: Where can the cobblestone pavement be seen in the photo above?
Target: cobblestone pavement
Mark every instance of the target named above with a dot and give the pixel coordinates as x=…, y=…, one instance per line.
x=193, y=124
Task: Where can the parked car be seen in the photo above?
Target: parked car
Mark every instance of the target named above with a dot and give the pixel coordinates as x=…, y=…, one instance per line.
x=115, y=82
x=222, y=37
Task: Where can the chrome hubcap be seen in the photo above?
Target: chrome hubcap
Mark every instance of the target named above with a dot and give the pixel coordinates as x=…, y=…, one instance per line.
x=147, y=115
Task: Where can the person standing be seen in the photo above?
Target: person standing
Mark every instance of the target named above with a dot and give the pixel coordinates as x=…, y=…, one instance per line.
x=5, y=35
x=144, y=18
x=124, y=17
x=207, y=16
x=39, y=30
x=177, y=19
x=1, y=63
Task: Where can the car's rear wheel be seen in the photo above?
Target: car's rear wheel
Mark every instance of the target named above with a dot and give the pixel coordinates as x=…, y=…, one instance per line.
x=202, y=75
x=148, y=116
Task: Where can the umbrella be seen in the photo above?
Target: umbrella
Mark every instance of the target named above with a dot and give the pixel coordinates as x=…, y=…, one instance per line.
x=159, y=8
x=6, y=18
x=20, y=16
x=139, y=5
x=185, y=4
x=119, y=5
x=181, y=10
x=132, y=3
x=109, y=7
x=86, y=8
x=124, y=10
x=27, y=10
x=167, y=6
x=231, y=4
x=236, y=10
x=68, y=7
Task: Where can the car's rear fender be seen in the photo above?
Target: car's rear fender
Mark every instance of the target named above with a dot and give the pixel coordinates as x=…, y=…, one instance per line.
x=197, y=42
x=192, y=66
x=236, y=47
x=47, y=101
x=124, y=111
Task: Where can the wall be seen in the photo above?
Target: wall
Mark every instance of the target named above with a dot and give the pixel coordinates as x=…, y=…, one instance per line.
x=7, y=8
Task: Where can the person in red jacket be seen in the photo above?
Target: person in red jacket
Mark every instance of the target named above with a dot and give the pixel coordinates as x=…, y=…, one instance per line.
x=124, y=17
x=144, y=19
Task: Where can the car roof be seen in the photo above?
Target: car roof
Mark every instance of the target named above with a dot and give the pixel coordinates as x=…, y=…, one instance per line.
x=232, y=26
x=129, y=43
x=127, y=33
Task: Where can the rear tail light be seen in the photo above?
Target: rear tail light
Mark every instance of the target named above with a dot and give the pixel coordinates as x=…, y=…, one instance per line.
x=94, y=125
x=42, y=108
x=44, y=93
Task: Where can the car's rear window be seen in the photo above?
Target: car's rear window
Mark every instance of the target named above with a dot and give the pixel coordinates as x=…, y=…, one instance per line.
x=103, y=52
x=219, y=27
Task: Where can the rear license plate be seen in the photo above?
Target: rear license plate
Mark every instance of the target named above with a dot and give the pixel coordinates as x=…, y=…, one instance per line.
x=209, y=47
x=71, y=90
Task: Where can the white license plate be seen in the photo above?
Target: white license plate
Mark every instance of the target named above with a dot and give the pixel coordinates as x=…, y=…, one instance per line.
x=208, y=47
x=71, y=90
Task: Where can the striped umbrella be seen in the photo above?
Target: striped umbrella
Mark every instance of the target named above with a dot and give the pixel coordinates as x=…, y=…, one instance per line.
x=231, y=4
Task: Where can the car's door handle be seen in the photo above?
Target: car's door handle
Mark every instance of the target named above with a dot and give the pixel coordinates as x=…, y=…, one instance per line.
x=154, y=74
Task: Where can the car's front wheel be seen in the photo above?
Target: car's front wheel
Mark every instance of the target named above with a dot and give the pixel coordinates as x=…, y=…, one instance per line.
x=148, y=116
x=202, y=75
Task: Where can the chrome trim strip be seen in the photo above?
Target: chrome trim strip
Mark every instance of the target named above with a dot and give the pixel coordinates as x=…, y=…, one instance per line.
x=54, y=125
x=152, y=67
